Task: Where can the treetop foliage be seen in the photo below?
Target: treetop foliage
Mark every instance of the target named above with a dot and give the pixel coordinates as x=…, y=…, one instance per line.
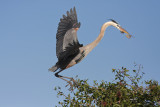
x=126, y=90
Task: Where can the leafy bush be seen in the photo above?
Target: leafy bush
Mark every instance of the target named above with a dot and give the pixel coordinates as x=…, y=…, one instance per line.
x=125, y=90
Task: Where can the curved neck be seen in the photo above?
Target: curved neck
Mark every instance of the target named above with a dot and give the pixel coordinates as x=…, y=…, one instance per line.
x=98, y=39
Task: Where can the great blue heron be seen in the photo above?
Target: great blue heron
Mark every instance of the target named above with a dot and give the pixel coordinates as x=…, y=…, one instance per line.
x=68, y=49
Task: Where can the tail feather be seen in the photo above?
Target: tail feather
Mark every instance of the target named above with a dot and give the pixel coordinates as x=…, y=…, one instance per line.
x=53, y=68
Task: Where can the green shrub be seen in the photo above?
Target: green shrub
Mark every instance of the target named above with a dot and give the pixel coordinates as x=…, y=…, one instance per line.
x=125, y=90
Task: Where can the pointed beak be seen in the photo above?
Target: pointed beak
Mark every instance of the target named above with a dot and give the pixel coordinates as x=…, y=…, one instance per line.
x=124, y=31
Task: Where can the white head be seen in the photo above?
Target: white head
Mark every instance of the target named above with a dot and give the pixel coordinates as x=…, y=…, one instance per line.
x=115, y=24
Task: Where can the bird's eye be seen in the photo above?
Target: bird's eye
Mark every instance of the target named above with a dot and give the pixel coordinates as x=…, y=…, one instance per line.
x=118, y=26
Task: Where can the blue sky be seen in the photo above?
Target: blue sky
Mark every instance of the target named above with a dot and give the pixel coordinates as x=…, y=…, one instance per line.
x=28, y=45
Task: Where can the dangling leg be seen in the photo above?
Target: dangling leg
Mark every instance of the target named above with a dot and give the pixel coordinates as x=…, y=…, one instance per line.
x=62, y=77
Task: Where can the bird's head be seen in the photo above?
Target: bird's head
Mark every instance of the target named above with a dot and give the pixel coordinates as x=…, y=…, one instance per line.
x=115, y=24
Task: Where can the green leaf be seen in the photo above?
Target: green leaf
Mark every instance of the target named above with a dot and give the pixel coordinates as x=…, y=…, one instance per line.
x=127, y=75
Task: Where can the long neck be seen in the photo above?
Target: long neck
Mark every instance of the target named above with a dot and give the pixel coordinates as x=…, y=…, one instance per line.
x=98, y=39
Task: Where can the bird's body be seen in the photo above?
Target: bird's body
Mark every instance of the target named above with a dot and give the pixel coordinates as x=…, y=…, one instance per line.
x=68, y=49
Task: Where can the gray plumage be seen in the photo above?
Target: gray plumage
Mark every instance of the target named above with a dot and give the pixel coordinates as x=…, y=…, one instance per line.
x=66, y=35
x=67, y=44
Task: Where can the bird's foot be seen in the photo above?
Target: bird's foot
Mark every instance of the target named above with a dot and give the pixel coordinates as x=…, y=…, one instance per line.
x=69, y=83
x=72, y=84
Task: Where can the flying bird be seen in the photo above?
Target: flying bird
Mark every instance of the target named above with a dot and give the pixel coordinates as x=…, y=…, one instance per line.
x=68, y=49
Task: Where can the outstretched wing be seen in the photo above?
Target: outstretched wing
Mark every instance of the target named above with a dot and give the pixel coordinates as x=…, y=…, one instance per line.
x=67, y=42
